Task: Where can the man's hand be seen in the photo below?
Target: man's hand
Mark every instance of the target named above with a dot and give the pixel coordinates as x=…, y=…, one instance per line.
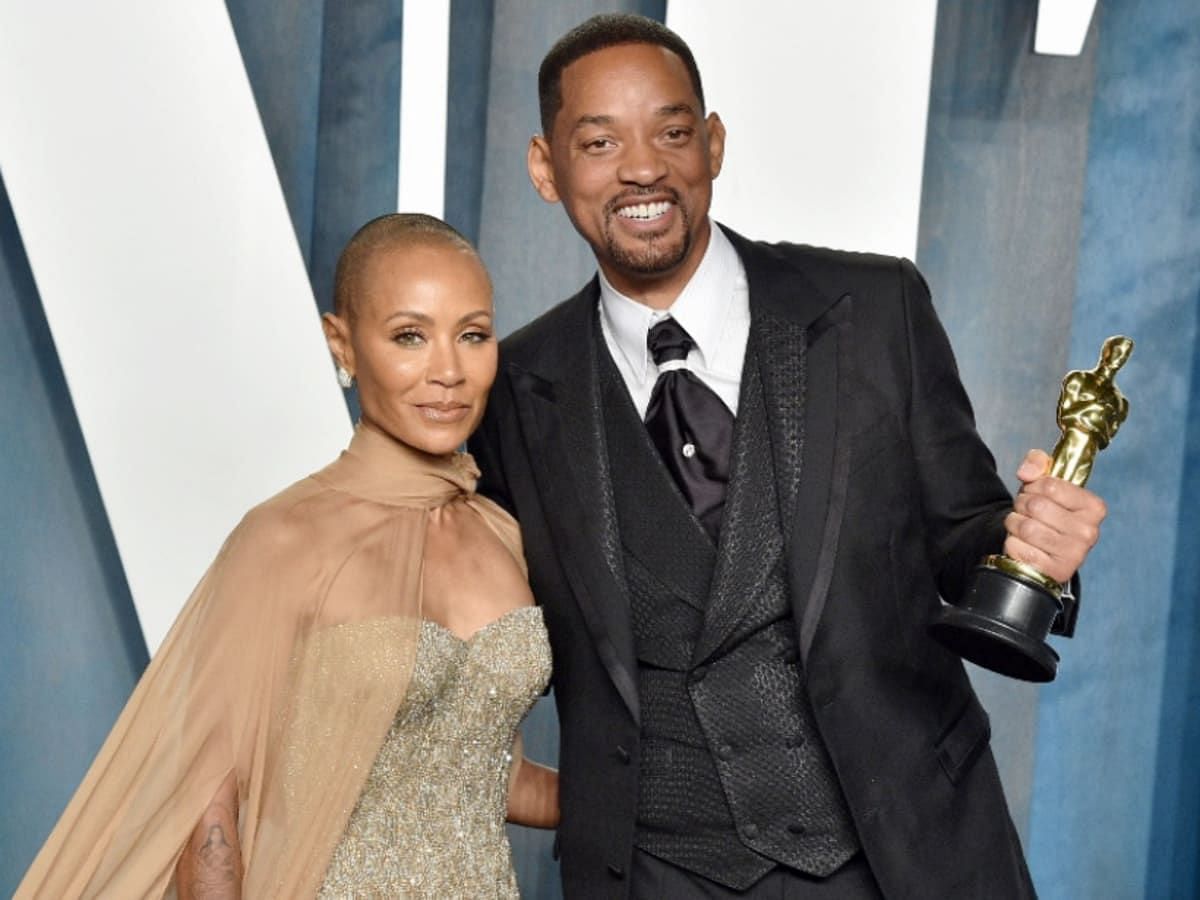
x=1054, y=523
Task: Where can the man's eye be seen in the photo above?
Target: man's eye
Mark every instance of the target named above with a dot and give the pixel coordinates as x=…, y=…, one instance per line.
x=678, y=134
x=597, y=144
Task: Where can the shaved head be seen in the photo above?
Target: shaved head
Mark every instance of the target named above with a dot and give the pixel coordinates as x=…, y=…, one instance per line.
x=390, y=232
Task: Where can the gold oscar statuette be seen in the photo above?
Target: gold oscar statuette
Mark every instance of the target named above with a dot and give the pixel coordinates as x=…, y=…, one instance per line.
x=1009, y=607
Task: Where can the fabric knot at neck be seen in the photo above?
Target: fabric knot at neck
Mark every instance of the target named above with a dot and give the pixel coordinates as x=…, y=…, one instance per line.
x=380, y=468
x=669, y=342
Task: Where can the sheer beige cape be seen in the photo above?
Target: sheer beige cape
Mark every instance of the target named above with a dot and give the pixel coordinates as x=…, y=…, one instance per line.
x=271, y=671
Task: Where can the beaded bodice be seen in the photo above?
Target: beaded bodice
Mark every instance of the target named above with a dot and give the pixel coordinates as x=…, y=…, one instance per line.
x=430, y=819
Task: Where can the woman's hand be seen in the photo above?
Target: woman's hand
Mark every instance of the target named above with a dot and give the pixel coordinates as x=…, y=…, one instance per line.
x=211, y=865
x=532, y=792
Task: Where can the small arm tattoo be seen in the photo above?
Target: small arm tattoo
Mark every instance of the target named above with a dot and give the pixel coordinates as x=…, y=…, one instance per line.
x=210, y=866
x=217, y=866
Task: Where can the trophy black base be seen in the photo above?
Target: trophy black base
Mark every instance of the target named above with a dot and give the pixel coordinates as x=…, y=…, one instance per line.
x=1002, y=624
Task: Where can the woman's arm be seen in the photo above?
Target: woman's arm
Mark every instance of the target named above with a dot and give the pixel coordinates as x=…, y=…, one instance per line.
x=532, y=792
x=211, y=865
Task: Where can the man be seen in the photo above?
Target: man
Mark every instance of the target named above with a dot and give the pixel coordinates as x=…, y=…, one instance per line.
x=744, y=474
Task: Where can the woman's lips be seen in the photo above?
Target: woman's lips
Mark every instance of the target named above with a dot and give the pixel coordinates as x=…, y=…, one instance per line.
x=443, y=413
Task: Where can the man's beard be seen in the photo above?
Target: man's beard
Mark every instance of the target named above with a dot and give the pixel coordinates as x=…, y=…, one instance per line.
x=653, y=255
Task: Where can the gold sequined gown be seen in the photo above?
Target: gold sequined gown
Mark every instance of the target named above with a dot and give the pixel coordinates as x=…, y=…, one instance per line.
x=430, y=820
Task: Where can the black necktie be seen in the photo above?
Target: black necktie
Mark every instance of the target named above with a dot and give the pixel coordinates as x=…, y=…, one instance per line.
x=690, y=426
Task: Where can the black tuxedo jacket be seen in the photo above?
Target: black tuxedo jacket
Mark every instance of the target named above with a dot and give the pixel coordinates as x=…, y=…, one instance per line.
x=891, y=498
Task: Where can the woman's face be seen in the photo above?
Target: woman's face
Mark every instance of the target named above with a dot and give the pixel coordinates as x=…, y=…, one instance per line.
x=420, y=343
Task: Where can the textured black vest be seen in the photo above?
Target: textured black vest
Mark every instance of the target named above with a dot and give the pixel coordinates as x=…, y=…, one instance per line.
x=734, y=778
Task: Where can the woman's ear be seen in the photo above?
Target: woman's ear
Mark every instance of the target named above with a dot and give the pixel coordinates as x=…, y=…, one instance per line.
x=337, y=336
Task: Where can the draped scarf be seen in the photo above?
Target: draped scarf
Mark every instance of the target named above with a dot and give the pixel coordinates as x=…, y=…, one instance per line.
x=286, y=666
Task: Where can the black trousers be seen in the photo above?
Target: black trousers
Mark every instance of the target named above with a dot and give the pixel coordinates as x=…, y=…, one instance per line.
x=654, y=879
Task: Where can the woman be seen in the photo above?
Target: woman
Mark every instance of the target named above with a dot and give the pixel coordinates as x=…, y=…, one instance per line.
x=333, y=712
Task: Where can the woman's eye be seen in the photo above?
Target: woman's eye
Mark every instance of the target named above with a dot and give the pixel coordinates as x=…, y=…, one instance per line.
x=476, y=337
x=409, y=338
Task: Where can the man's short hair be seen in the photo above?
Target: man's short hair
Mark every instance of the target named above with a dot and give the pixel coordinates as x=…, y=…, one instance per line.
x=387, y=232
x=599, y=33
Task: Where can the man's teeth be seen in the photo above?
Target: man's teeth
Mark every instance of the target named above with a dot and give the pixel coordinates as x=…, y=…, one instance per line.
x=644, y=210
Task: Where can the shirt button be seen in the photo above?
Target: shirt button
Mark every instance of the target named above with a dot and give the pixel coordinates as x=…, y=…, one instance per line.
x=689, y=450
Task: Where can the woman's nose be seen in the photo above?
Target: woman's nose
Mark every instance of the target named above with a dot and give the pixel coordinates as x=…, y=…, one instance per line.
x=445, y=368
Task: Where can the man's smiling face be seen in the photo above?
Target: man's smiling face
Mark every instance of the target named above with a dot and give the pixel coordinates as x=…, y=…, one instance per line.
x=632, y=159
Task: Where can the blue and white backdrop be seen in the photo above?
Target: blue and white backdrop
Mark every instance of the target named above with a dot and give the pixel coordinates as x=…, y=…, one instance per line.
x=176, y=180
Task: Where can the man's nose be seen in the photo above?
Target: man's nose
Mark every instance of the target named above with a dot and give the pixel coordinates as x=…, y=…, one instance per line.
x=642, y=164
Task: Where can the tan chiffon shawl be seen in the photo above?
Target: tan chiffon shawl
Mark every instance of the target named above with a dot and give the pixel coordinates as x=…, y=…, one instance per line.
x=286, y=666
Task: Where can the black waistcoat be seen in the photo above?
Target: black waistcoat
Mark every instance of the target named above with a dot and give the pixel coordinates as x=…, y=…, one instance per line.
x=734, y=778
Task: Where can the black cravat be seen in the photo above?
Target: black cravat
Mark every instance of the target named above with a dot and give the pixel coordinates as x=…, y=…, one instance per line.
x=690, y=426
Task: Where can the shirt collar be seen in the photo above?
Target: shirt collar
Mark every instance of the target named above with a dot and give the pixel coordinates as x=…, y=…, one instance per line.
x=702, y=308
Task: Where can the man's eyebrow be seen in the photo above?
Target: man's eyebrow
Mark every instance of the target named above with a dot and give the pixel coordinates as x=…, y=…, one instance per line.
x=675, y=109
x=671, y=109
x=592, y=120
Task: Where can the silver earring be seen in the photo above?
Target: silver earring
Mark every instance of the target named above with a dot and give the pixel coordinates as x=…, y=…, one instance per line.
x=345, y=379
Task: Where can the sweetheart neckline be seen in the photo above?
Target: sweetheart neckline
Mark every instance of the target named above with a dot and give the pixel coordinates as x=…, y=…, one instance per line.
x=482, y=628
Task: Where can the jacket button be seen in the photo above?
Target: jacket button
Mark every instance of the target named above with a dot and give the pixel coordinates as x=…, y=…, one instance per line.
x=622, y=754
x=698, y=674
x=725, y=752
x=616, y=871
x=750, y=831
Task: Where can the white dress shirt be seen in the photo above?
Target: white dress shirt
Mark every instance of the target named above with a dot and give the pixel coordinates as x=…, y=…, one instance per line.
x=714, y=308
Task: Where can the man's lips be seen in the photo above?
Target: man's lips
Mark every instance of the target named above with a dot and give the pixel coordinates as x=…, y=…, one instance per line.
x=649, y=207
x=645, y=211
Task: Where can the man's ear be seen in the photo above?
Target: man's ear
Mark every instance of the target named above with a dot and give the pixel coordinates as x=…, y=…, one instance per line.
x=337, y=336
x=541, y=170
x=716, y=143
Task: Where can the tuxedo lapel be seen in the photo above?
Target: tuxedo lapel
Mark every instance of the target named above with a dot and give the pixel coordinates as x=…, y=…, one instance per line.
x=801, y=338
x=821, y=487
x=562, y=424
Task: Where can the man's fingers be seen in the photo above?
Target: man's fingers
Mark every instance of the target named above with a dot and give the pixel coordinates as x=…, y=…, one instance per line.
x=1081, y=522
x=1050, y=553
x=1050, y=566
x=1035, y=464
x=1068, y=496
x=1053, y=526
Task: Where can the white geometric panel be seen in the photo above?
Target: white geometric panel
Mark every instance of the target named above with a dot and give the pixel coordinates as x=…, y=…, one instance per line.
x=424, y=61
x=1062, y=26
x=825, y=105
x=156, y=229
